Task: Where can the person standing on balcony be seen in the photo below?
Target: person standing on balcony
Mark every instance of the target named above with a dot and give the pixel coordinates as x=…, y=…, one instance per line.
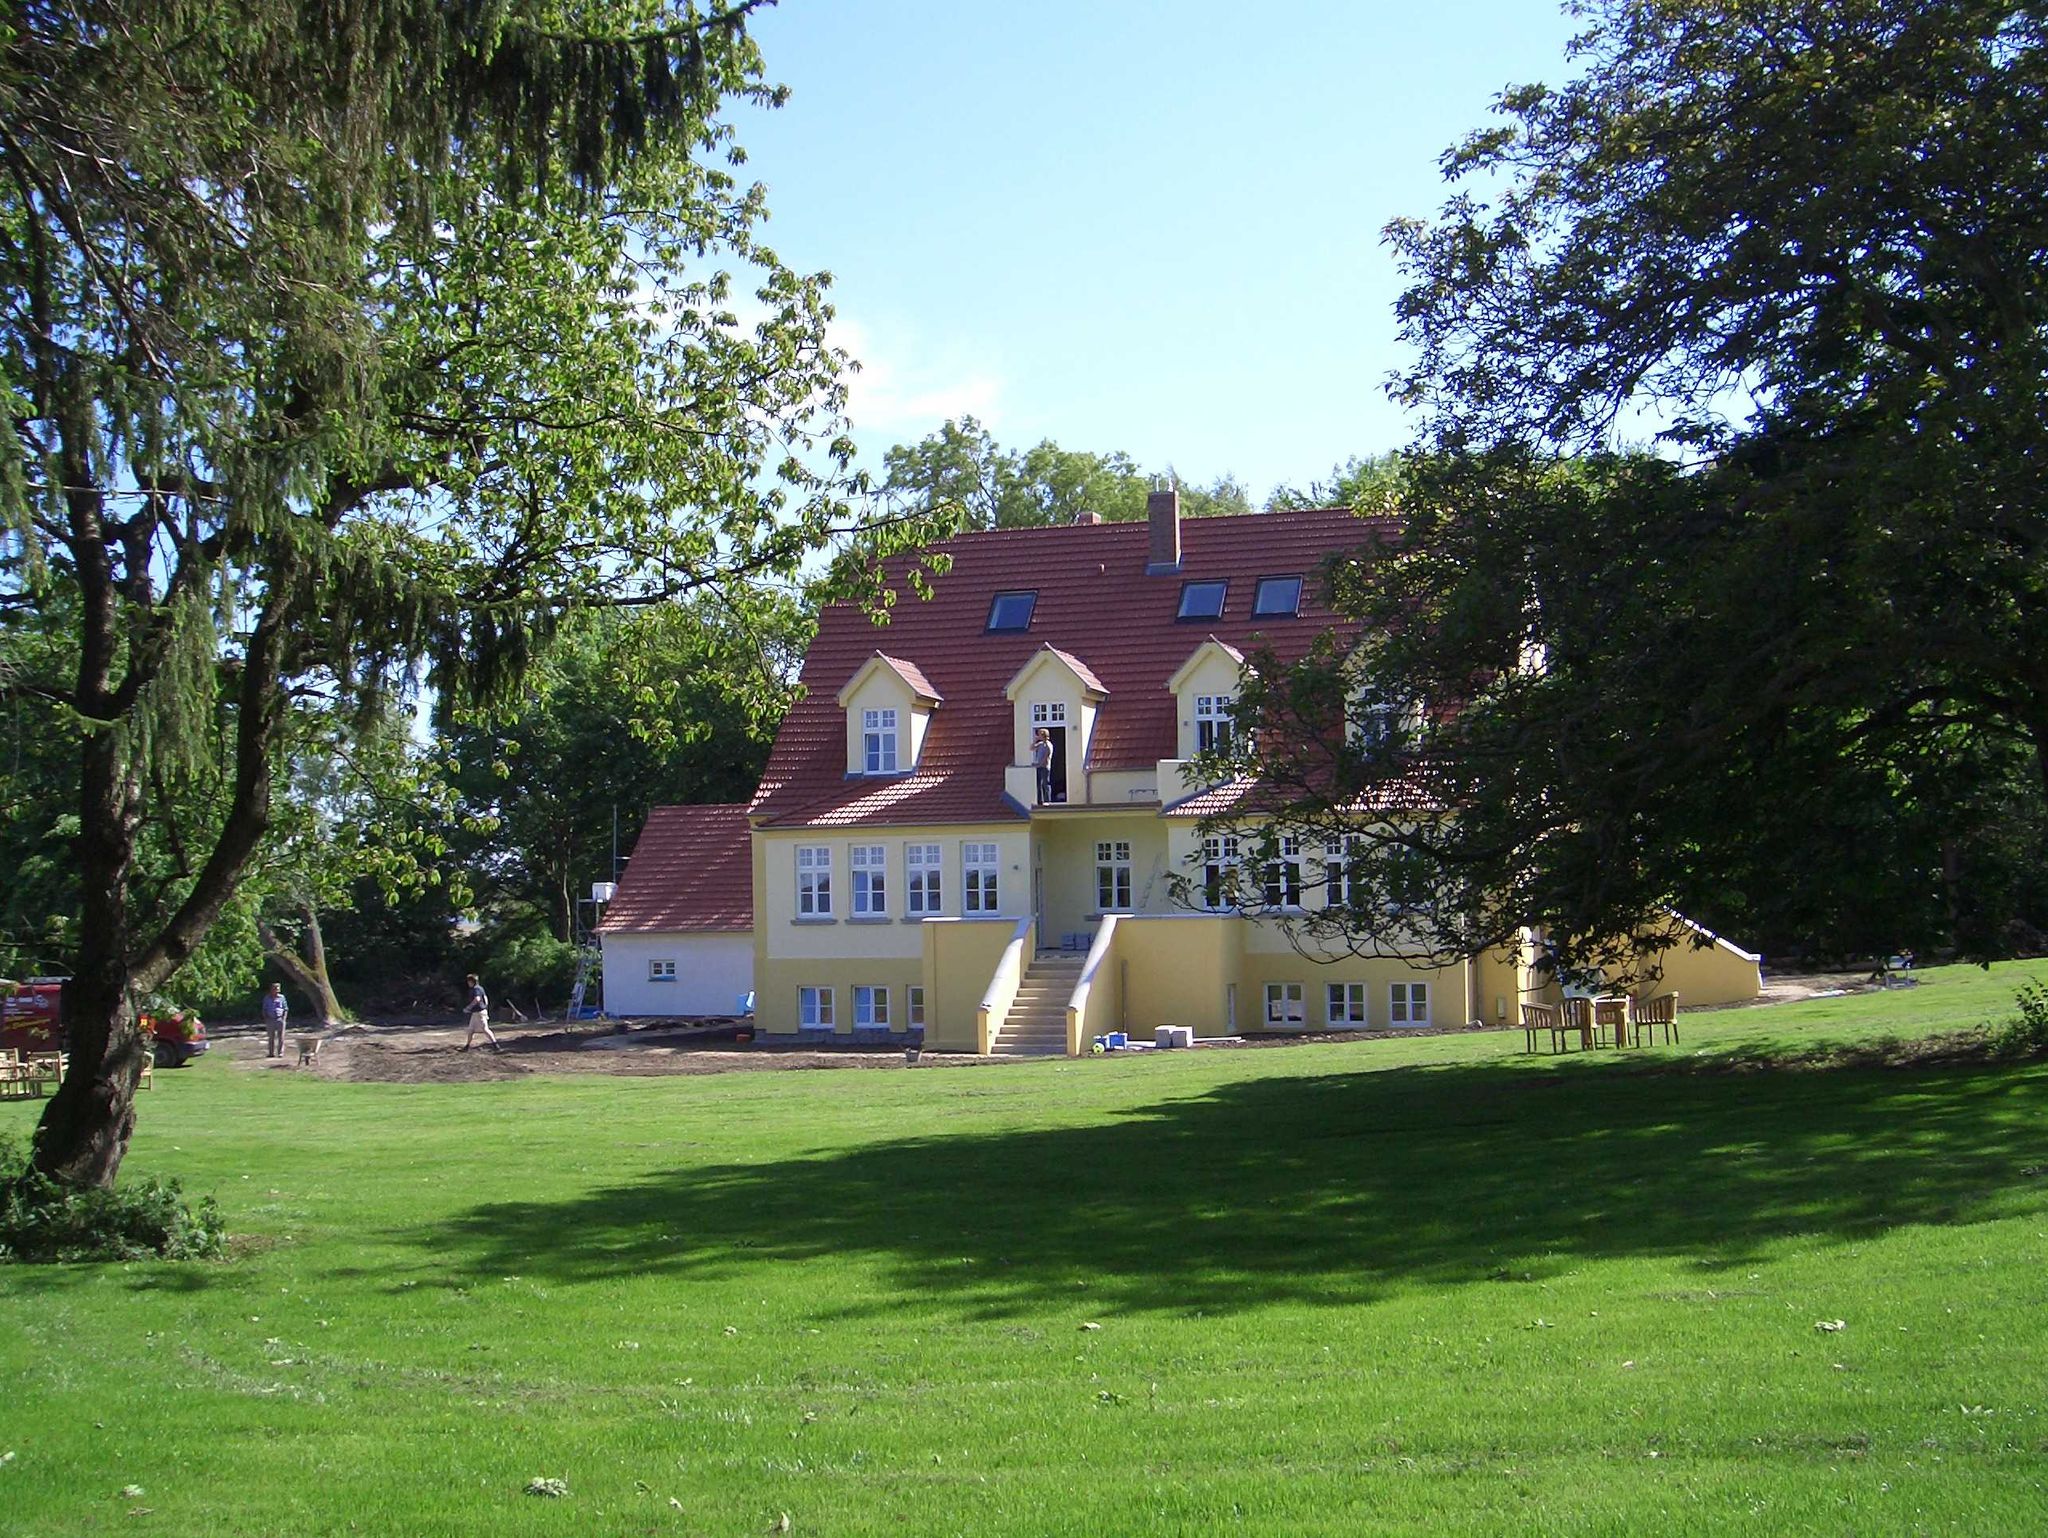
x=1041, y=761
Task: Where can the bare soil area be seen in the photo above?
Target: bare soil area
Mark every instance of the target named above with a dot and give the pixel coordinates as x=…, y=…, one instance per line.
x=413, y=1053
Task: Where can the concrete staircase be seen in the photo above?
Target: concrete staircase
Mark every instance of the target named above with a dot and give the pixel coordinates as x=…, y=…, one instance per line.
x=1037, y=1023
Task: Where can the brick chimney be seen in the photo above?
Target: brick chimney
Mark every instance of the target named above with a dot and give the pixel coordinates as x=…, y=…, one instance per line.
x=1162, y=513
x=1087, y=518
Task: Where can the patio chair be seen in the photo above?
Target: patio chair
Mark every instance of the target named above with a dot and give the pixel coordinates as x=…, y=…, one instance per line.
x=1610, y=1021
x=1576, y=1014
x=1645, y=1015
x=16, y=1081
x=1542, y=1017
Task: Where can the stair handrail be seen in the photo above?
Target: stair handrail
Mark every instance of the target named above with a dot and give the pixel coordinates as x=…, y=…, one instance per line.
x=1002, y=987
x=1077, y=1002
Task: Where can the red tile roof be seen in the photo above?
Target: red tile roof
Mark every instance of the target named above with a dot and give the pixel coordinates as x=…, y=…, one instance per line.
x=1095, y=603
x=691, y=872
x=911, y=674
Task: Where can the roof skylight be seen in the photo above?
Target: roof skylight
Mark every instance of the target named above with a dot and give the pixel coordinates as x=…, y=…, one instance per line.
x=1012, y=611
x=1277, y=597
x=1201, y=600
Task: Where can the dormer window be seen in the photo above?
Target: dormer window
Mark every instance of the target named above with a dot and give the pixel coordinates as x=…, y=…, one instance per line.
x=1011, y=611
x=1202, y=600
x=878, y=741
x=1277, y=598
x=1212, y=722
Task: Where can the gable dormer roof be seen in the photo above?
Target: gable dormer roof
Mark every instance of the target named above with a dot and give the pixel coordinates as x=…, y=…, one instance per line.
x=1091, y=598
x=1210, y=647
x=920, y=687
x=1094, y=688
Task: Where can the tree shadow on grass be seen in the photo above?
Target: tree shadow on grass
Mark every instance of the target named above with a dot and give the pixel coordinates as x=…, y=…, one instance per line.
x=1336, y=1189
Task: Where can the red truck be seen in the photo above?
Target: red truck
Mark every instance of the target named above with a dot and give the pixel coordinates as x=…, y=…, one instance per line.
x=32, y=1020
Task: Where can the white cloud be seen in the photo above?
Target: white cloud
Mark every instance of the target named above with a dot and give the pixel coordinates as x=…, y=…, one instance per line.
x=905, y=388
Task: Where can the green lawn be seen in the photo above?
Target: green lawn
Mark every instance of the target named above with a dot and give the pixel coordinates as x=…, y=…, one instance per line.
x=1412, y=1286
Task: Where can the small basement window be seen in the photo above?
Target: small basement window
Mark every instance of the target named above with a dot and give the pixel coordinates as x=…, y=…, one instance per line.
x=1277, y=597
x=1011, y=611
x=1202, y=600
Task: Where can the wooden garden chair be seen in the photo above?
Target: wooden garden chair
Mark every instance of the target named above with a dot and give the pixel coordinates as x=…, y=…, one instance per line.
x=1542, y=1017
x=1576, y=1014
x=17, y=1082
x=1610, y=1021
x=1645, y=1015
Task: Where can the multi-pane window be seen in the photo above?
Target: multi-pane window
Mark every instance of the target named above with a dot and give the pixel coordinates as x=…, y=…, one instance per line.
x=1340, y=870
x=1346, y=1003
x=661, y=971
x=913, y=1005
x=1212, y=721
x=878, y=741
x=1408, y=1004
x=814, y=1008
x=1375, y=724
x=1284, y=1005
x=870, y=880
x=1219, y=856
x=1283, y=876
x=814, y=881
x=1113, y=875
x=1053, y=714
x=978, y=866
x=871, y=1007
x=921, y=879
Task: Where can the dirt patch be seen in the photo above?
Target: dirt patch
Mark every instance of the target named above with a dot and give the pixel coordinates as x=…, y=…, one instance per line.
x=412, y=1055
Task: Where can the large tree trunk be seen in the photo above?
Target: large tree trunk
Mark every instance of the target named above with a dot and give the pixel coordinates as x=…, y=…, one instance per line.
x=85, y=1128
x=308, y=974
x=84, y=1131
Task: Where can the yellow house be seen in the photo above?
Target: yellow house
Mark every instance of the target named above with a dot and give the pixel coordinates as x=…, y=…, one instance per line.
x=921, y=865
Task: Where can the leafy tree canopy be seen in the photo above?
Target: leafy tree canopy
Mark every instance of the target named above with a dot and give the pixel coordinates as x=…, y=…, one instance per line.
x=962, y=466
x=345, y=347
x=1785, y=671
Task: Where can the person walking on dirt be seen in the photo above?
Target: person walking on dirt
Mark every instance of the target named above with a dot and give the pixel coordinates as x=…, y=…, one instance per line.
x=275, y=1012
x=478, y=1008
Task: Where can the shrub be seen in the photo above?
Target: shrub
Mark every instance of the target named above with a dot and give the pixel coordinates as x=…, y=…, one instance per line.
x=2026, y=1034
x=41, y=1220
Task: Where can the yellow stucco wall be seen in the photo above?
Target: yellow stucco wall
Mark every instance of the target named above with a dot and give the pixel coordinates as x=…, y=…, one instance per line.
x=959, y=958
x=1720, y=974
x=776, y=985
x=1065, y=849
x=782, y=935
x=1177, y=971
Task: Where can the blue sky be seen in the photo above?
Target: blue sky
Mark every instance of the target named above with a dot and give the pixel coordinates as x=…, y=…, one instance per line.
x=1133, y=224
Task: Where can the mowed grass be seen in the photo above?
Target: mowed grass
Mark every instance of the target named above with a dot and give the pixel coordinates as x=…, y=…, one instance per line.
x=1410, y=1286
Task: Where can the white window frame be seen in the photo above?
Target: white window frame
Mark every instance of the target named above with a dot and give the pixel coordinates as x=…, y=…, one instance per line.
x=1338, y=855
x=1375, y=722
x=1212, y=721
x=1113, y=875
x=660, y=970
x=1408, y=1003
x=878, y=740
x=913, y=1006
x=1344, y=1004
x=870, y=1007
x=1049, y=714
x=1279, y=998
x=1282, y=876
x=981, y=877
x=1219, y=860
x=814, y=881
x=869, y=864
x=814, y=1010
x=923, y=888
